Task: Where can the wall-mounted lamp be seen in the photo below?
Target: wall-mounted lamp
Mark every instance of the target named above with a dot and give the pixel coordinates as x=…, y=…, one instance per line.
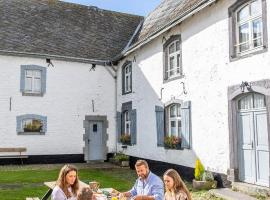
x=93, y=67
x=49, y=62
x=245, y=84
x=184, y=88
x=134, y=59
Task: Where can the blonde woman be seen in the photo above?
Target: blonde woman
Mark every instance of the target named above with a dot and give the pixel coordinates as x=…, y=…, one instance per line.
x=67, y=185
x=175, y=187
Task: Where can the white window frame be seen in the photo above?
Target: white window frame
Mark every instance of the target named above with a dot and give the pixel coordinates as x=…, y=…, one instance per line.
x=176, y=119
x=33, y=78
x=250, y=19
x=127, y=122
x=176, y=55
x=127, y=78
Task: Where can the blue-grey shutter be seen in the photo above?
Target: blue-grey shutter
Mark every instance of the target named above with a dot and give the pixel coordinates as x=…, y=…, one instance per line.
x=118, y=125
x=19, y=122
x=186, y=124
x=133, y=127
x=22, y=81
x=43, y=80
x=160, y=125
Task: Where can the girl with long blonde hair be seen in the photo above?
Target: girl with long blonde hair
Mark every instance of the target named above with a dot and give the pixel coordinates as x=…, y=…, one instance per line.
x=175, y=187
x=67, y=185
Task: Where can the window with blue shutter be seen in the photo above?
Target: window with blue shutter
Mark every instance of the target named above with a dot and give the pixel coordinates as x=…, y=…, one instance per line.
x=33, y=80
x=127, y=124
x=160, y=125
x=31, y=124
x=186, y=124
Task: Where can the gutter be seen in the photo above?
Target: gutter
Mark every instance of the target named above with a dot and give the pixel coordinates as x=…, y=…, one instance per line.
x=57, y=57
x=168, y=26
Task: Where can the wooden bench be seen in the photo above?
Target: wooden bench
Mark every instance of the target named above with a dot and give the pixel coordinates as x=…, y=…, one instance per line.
x=18, y=150
x=32, y=198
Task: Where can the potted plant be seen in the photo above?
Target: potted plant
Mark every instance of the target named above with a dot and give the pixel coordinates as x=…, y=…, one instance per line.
x=172, y=142
x=125, y=139
x=204, y=180
x=122, y=159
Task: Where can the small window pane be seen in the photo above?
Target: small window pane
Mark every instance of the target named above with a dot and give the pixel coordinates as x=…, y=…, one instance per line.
x=94, y=127
x=37, y=73
x=257, y=32
x=246, y=102
x=259, y=101
x=37, y=85
x=243, y=14
x=179, y=128
x=173, y=128
x=244, y=37
x=178, y=110
x=178, y=60
x=28, y=84
x=29, y=73
x=171, y=48
x=256, y=8
x=173, y=111
x=177, y=45
x=171, y=62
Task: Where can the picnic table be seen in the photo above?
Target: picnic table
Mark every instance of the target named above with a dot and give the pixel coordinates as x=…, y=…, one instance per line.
x=51, y=185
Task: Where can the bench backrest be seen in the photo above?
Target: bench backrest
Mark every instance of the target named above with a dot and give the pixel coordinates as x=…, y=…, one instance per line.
x=18, y=149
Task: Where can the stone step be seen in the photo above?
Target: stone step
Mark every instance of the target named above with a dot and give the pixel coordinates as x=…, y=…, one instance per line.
x=228, y=194
x=250, y=189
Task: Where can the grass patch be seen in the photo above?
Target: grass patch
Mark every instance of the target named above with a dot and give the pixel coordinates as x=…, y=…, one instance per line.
x=22, y=182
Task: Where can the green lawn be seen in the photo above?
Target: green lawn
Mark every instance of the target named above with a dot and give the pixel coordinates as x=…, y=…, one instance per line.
x=18, y=183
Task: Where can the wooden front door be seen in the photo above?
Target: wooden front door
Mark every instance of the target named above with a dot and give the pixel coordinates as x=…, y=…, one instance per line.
x=95, y=144
x=253, y=140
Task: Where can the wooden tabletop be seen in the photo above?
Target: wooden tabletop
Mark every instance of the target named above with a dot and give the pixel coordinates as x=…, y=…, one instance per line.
x=52, y=184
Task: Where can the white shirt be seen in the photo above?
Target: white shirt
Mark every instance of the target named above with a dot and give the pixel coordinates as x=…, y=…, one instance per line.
x=58, y=194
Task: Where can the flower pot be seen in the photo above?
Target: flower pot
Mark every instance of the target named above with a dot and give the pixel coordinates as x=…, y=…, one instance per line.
x=204, y=185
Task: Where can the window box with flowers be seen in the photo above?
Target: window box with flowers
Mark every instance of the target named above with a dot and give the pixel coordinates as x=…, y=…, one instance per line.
x=172, y=142
x=125, y=139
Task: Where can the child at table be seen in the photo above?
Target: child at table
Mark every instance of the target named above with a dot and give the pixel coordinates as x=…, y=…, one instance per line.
x=85, y=194
x=67, y=185
x=175, y=186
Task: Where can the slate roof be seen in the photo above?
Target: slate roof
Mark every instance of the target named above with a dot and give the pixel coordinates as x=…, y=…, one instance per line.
x=64, y=29
x=167, y=12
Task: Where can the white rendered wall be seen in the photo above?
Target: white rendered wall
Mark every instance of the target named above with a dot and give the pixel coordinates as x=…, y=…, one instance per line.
x=70, y=89
x=208, y=73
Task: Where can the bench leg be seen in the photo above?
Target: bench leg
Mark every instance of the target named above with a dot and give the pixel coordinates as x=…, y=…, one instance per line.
x=47, y=195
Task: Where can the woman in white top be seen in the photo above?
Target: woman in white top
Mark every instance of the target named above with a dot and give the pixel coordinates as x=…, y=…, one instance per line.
x=67, y=185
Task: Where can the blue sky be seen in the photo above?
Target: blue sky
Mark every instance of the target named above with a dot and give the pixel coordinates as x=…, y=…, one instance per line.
x=138, y=7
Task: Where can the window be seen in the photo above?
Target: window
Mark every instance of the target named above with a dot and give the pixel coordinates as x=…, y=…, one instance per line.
x=127, y=122
x=172, y=58
x=173, y=124
x=251, y=101
x=174, y=120
x=127, y=78
x=248, y=27
x=31, y=124
x=33, y=80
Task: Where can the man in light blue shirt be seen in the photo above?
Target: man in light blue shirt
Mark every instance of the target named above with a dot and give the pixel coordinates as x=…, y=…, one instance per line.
x=148, y=186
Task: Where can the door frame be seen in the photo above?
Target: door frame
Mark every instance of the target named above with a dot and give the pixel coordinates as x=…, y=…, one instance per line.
x=86, y=126
x=234, y=92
